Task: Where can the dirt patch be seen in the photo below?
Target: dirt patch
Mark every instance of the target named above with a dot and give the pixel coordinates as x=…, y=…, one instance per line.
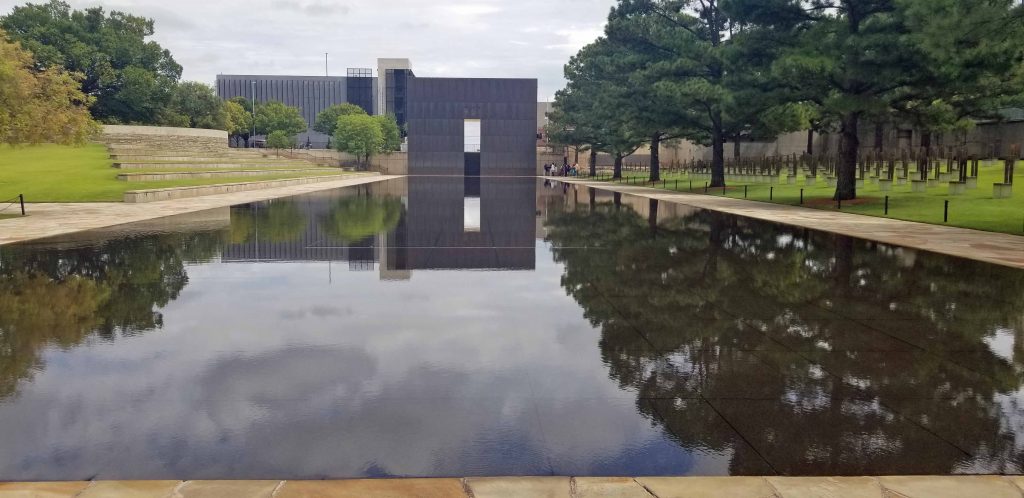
x=829, y=203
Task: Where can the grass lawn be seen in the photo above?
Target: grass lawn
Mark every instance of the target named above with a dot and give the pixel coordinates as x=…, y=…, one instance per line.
x=975, y=209
x=54, y=173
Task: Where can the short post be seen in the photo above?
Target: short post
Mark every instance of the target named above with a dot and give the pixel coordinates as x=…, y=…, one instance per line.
x=771, y=193
x=745, y=191
x=691, y=185
x=21, y=199
x=801, y=197
x=945, y=211
x=887, y=205
x=723, y=189
x=839, y=204
x=677, y=185
x=705, y=187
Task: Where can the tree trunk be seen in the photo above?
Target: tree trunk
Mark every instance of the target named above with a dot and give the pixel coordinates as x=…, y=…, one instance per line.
x=617, y=200
x=617, y=168
x=655, y=157
x=593, y=161
x=652, y=217
x=717, y=154
x=846, y=170
x=810, y=142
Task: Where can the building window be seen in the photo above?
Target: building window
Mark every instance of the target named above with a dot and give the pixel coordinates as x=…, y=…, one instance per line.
x=471, y=135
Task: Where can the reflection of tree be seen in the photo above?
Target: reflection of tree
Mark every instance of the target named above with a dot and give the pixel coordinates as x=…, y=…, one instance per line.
x=721, y=308
x=59, y=297
x=353, y=219
x=275, y=221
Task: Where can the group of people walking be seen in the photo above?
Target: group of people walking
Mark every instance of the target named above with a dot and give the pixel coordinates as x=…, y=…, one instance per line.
x=563, y=170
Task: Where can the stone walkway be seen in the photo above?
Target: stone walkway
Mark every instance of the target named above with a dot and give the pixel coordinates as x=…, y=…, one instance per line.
x=560, y=487
x=998, y=248
x=50, y=219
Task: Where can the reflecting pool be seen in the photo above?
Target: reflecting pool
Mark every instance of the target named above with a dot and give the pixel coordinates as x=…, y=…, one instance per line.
x=442, y=326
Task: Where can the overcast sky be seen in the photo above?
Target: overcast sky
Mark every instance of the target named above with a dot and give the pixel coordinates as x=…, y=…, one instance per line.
x=473, y=38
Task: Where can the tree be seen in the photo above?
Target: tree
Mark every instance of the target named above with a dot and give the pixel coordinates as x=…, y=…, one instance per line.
x=196, y=105
x=353, y=219
x=392, y=135
x=279, y=139
x=275, y=116
x=593, y=104
x=239, y=120
x=327, y=120
x=934, y=62
x=40, y=105
x=129, y=77
x=359, y=135
x=685, y=41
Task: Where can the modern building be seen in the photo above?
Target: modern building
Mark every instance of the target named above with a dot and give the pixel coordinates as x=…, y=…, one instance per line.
x=472, y=126
x=313, y=94
x=454, y=126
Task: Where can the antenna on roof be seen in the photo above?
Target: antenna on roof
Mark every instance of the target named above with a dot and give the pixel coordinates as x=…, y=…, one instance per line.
x=325, y=65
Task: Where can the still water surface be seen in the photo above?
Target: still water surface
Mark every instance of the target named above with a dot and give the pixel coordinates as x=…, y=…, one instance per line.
x=450, y=327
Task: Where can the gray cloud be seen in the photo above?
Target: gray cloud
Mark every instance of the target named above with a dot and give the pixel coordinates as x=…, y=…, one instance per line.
x=473, y=38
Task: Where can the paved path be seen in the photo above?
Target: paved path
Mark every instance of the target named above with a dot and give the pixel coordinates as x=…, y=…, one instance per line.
x=560, y=487
x=999, y=248
x=49, y=219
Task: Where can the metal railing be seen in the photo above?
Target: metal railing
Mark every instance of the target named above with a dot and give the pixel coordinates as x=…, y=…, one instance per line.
x=13, y=201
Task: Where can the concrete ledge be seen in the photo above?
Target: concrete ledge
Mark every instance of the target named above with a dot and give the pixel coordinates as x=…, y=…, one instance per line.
x=223, y=165
x=184, y=175
x=163, y=194
x=556, y=487
x=164, y=131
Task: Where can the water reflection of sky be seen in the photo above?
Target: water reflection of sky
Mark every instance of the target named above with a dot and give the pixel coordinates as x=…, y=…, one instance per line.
x=314, y=368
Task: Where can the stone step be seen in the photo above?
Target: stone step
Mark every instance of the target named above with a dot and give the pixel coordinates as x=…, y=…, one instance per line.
x=186, y=175
x=163, y=194
x=214, y=165
x=118, y=158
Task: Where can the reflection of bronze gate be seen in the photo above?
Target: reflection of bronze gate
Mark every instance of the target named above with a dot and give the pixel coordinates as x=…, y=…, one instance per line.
x=472, y=164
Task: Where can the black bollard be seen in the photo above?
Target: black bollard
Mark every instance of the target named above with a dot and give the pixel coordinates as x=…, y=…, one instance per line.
x=705, y=187
x=945, y=211
x=887, y=205
x=744, y=191
x=21, y=199
x=839, y=204
x=771, y=193
x=801, y=196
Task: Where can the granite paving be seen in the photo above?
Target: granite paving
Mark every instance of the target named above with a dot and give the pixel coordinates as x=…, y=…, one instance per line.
x=991, y=247
x=51, y=219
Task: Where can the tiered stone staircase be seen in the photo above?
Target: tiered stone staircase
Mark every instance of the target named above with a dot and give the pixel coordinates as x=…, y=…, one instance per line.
x=156, y=154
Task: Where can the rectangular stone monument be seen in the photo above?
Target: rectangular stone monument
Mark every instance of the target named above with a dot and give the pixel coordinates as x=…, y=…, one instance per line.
x=1002, y=190
x=919, y=185
x=885, y=185
x=957, y=187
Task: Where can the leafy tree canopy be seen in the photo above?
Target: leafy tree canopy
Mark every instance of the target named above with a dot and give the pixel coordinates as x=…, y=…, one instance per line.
x=275, y=116
x=327, y=120
x=129, y=77
x=280, y=140
x=40, y=105
x=392, y=135
x=196, y=105
x=359, y=135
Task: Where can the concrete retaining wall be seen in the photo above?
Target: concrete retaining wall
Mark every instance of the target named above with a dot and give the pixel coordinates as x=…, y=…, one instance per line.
x=202, y=165
x=395, y=163
x=182, y=140
x=188, y=175
x=163, y=194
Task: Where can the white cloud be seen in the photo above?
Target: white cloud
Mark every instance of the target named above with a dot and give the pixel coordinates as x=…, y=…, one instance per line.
x=443, y=38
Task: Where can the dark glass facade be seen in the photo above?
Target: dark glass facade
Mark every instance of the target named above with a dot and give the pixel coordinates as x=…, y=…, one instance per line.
x=439, y=107
x=359, y=85
x=397, y=91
